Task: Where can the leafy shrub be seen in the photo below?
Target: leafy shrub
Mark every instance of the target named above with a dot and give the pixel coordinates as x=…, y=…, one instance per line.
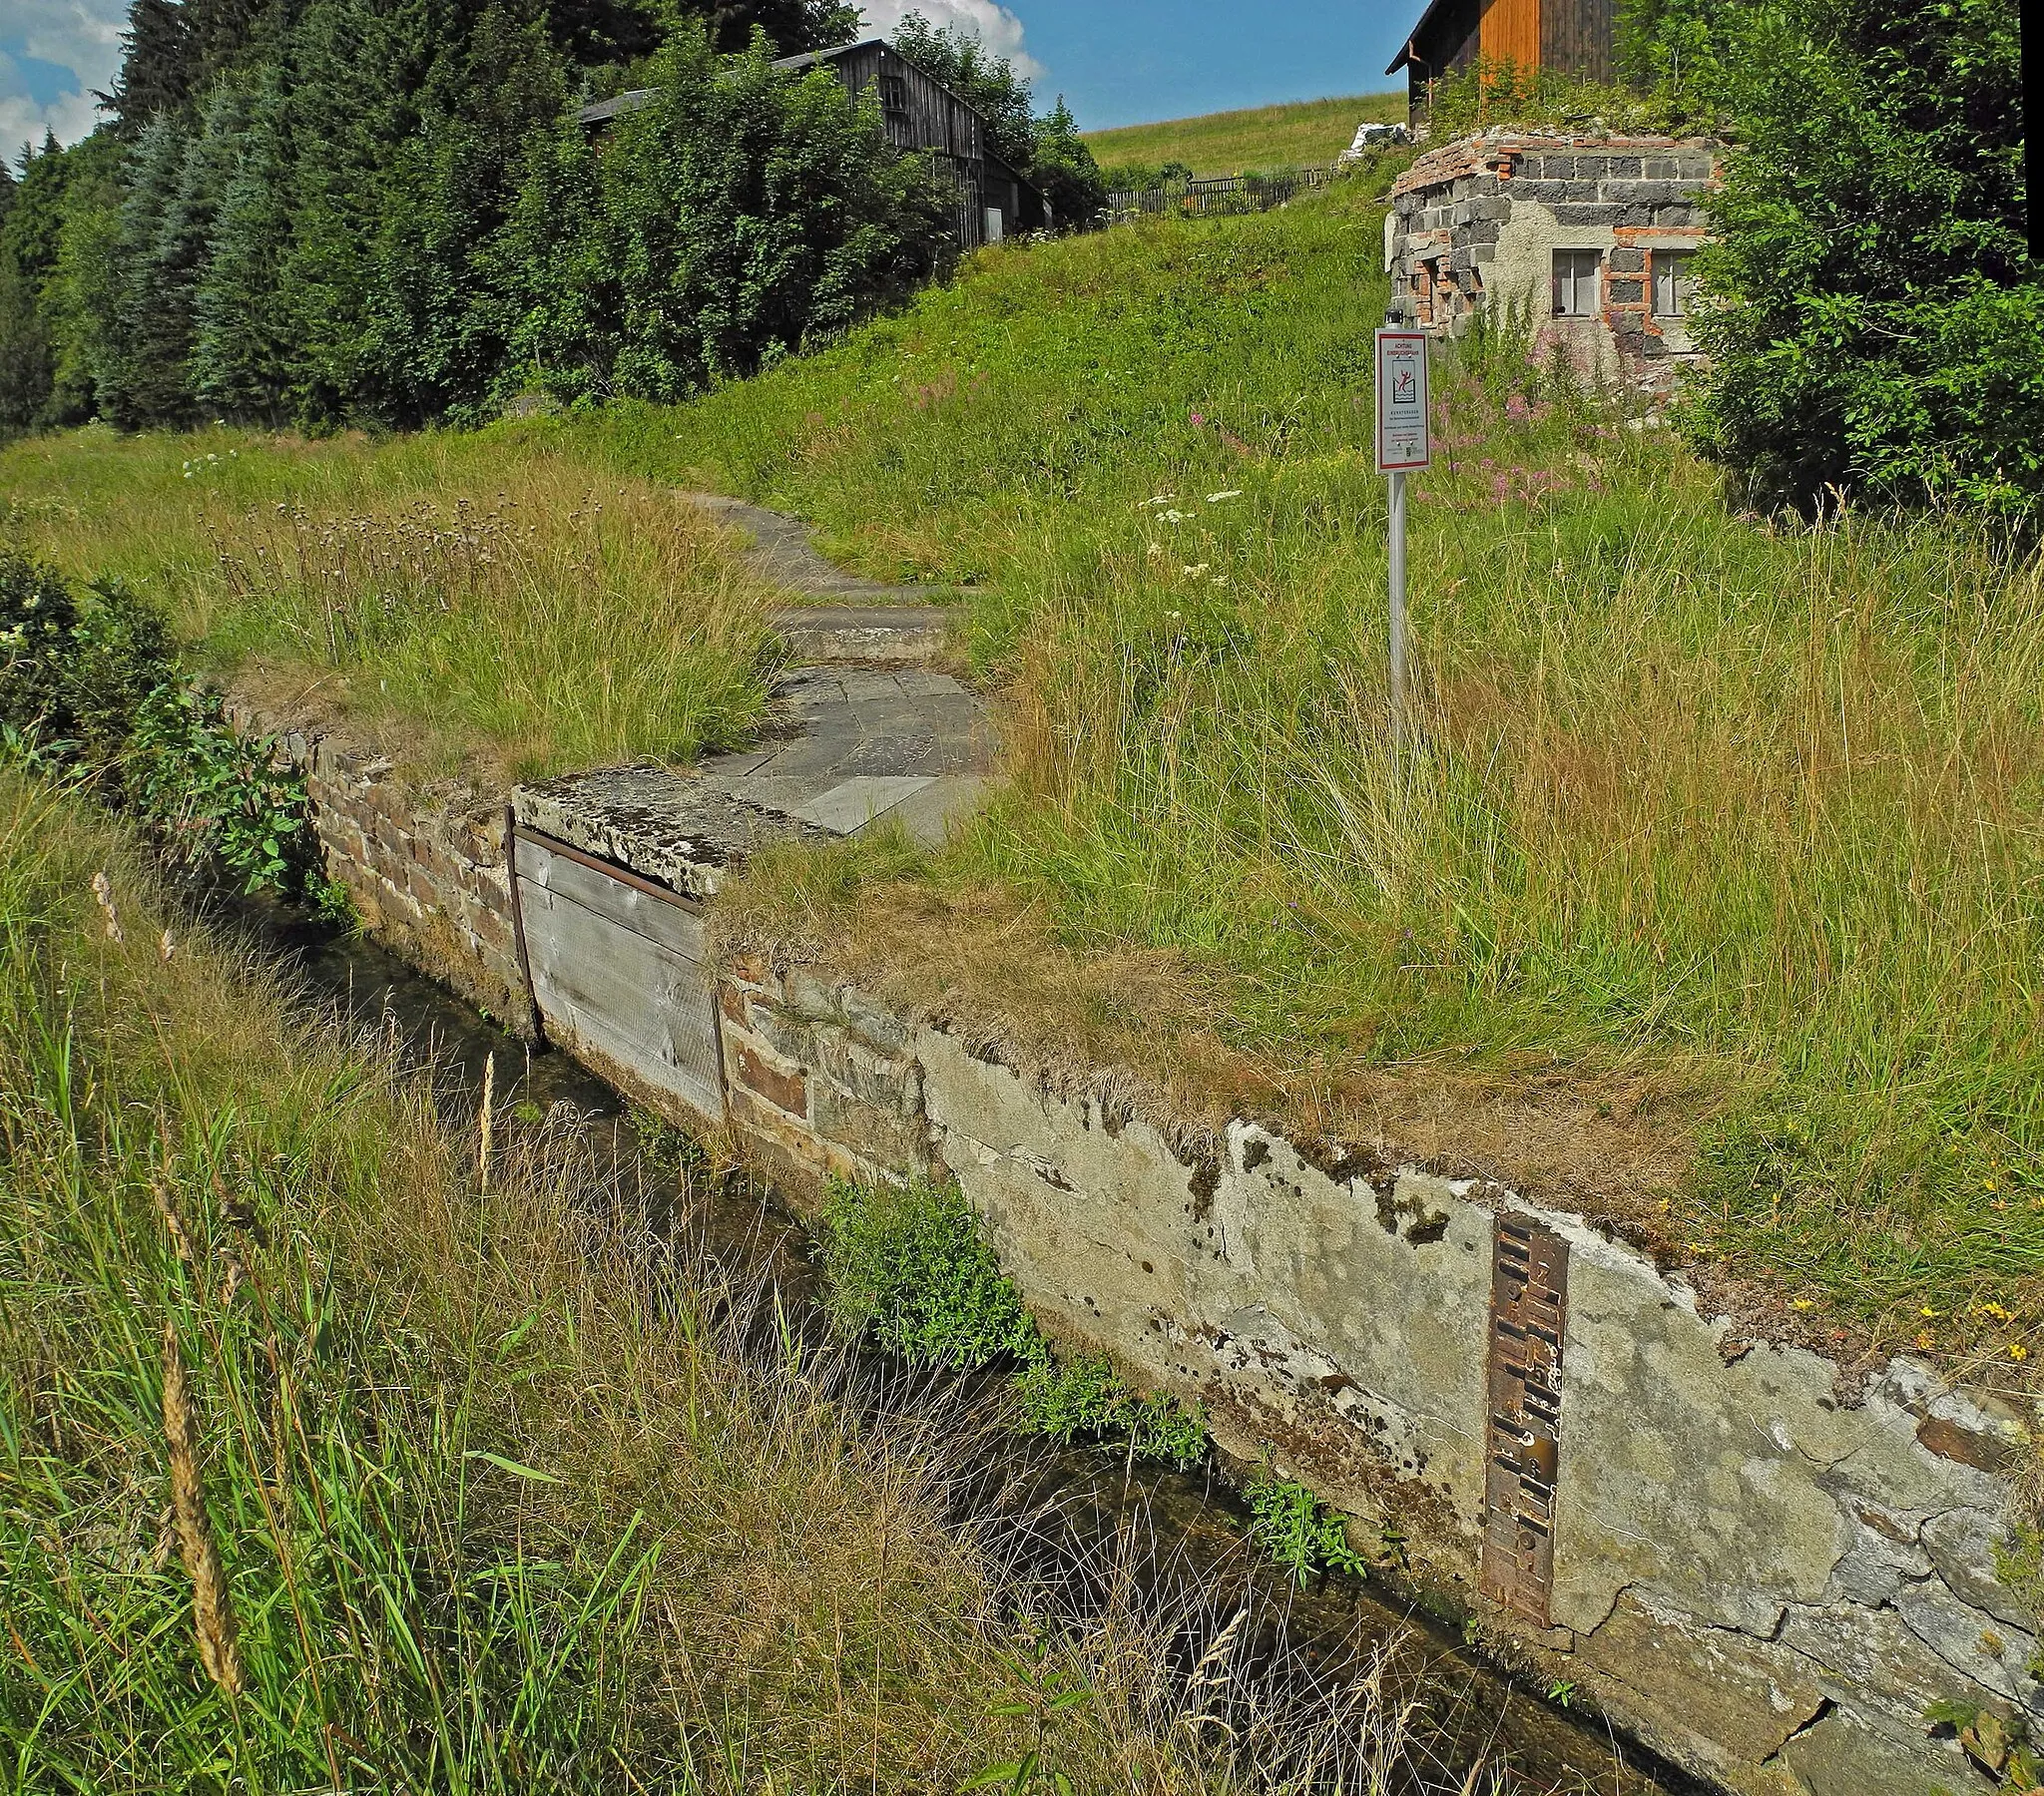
x=96, y=687
x=1878, y=315
x=38, y=618
x=1084, y=1398
x=910, y=1266
x=739, y=216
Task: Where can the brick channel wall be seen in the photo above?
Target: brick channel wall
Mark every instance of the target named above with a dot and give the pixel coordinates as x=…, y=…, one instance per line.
x=1764, y=1570
x=1764, y=1573
x=425, y=869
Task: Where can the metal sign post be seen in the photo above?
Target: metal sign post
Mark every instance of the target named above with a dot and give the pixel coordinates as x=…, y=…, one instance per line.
x=1403, y=447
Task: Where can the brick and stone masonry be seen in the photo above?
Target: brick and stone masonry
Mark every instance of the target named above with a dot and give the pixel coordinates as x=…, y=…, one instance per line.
x=1477, y=223
x=425, y=867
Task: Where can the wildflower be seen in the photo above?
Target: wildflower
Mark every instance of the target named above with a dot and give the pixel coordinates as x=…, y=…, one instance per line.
x=1198, y=421
x=1173, y=516
x=1933, y=1314
x=1193, y=573
x=1157, y=551
x=1221, y=579
x=2017, y=1351
x=1223, y=498
x=1162, y=499
x=1803, y=1303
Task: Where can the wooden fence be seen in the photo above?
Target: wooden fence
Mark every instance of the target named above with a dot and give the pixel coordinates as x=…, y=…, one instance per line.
x=1221, y=194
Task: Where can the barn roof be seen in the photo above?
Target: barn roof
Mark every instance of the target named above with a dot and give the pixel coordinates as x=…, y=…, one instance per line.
x=1410, y=53
x=813, y=57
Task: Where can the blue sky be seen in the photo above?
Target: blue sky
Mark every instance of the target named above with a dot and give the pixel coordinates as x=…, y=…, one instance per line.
x=1119, y=62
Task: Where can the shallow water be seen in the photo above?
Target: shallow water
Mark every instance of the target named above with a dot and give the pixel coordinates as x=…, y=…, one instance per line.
x=1168, y=1545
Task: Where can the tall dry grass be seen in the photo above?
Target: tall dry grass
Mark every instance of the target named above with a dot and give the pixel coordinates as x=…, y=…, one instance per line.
x=460, y=601
x=336, y=1456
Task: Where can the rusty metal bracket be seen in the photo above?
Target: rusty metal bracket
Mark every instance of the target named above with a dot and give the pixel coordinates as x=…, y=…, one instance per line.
x=1528, y=1311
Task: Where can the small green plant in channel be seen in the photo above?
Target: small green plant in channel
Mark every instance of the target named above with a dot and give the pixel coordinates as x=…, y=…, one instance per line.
x=910, y=1264
x=1296, y=1530
x=1084, y=1398
x=1048, y=1692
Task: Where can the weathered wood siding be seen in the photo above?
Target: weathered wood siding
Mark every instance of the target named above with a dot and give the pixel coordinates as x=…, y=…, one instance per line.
x=1510, y=32
x=1575, y=37
x=618, y=976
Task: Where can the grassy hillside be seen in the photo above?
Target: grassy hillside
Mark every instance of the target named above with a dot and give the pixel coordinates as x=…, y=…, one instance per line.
x=1712, y=899
x=452, y=596
x=1263, y=137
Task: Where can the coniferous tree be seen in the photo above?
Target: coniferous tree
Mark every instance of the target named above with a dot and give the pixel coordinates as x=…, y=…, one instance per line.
x=158, y=65
x=82, y=299
x=242, y=360
x=30, y=238
x=358, y=65
x=446, y=312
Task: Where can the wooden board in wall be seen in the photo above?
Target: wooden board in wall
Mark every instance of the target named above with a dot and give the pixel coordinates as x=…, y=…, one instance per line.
x=617, y=971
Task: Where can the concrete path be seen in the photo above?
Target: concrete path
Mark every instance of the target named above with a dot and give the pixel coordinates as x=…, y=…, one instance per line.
x=867, y=729
x=849, y=619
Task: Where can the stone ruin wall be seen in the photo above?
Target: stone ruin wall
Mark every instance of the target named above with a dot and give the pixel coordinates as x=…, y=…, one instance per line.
x=1475, y=224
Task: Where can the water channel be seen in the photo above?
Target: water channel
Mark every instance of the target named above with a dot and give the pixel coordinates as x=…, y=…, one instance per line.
x=1080, y=1519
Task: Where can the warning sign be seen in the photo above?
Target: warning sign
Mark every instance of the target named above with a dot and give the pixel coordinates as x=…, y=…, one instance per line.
x=1402, y=441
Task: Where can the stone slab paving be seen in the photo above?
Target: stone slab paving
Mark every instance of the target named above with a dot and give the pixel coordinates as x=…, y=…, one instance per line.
x=848, y=617
x=856, y=745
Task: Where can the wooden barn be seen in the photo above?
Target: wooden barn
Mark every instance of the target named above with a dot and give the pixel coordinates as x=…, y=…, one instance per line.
x=922, y=116
x=1573, y=36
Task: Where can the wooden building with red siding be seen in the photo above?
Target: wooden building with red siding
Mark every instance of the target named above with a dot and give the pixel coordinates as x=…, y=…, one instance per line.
x=1573, y=36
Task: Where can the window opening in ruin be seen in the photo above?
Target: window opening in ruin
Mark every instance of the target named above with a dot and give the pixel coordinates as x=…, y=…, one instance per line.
x=1575, y=283
x=1674, y=285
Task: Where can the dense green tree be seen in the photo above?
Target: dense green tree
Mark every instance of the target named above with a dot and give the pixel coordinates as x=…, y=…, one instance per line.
x=1064, y=170
x=30, y=239
x=1048, y=150
x=357, y=68
x=791, y=26
x=1878, y=315
x=158, y=65
x=82, y=298
x=448, y=296
x=738, y=217
x=242, y=360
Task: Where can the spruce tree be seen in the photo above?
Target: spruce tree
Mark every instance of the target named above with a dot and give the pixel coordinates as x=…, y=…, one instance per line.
x=157, y=65
x=446, y=312
x=242, y=360
x=30, y=238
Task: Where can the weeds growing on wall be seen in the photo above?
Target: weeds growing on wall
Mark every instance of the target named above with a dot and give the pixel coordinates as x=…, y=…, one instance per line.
x=911, y=1266
x=1300, y=1531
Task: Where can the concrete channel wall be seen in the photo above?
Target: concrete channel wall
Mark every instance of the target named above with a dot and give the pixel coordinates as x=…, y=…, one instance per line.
x=1764, y=1573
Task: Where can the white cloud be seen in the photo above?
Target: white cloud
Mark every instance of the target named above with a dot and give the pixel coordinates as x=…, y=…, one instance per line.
x=991, y=23
x=82, y=36
x=24, y=120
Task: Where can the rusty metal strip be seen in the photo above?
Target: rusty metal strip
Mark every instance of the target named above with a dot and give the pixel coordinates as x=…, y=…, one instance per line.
x=612, y=869
x=1528, y=1313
